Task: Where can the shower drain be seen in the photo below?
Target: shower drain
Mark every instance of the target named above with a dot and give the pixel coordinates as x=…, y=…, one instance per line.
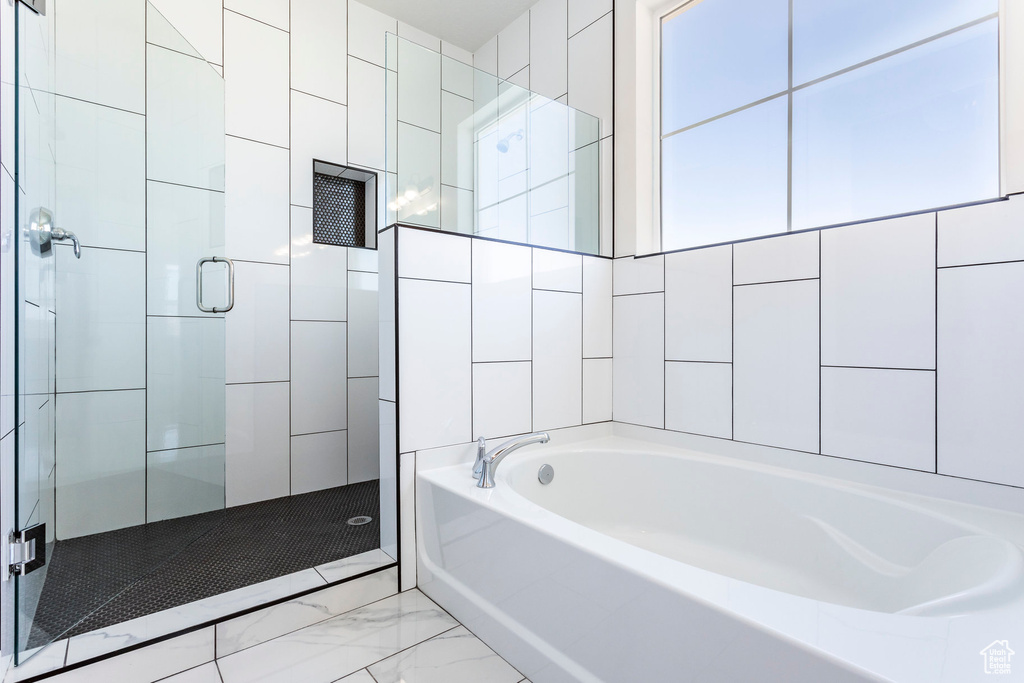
x=360, y=520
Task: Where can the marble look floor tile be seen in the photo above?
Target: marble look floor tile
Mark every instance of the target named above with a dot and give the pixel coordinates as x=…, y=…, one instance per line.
x=361, y=676
x=357, y=564
x=334, y=648
x=207, y=673
x=38, y=661
x=149, y=663
x=271, y=622
x=456, y=656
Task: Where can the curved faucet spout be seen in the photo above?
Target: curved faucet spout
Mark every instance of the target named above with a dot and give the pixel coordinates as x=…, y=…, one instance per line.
x=489, y=463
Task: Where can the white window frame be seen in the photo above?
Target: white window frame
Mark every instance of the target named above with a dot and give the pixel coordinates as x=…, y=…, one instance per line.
x=638, y=118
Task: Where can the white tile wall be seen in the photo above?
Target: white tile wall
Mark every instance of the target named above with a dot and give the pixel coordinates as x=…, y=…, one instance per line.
x=787, y=257
x=986, y=233
x=698, y=305
x=502, y=395
x=878, y=294
x=590, y=70
x=366, y=98
x=256, y=201
x=362, y=324
x=638, y=276
x=318, y=48
x=318, y=132
x=698, y=398
x=366, y=29
x=255, y=80
x=319, y=461
x=557, y=359
x=256, y=459
x=555, y=270
x=639, y=368
x=514, y=47
x=486, y=57
x=273, y=12
x=363, y=430
x=502, y=301
x=200, y=20
x=597, y=390
x=187, y=481
x=549, y=47
x=584, y=12
x=597, y=308
x=434, y=256
x=257, y=327
x=319, y=373
x=319, y=279
x=419, y=88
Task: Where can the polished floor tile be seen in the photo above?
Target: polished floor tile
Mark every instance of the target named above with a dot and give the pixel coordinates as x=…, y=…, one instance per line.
x=455, y=656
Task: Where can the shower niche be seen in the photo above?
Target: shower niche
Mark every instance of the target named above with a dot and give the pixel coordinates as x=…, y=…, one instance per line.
x=344, y=206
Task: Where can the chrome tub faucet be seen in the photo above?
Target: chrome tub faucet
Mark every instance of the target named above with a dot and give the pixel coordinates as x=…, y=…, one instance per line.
x=487, y=463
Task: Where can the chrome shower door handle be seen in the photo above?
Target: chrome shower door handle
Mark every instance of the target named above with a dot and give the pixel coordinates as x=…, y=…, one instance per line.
x=60, y=234
x=199, y=284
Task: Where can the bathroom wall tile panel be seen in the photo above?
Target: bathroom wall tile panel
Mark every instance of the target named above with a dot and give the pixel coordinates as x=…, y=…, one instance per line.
x=639, y=367
x=366, y=29
x=319, y=377
x=386, y=313
x=419, y=175
x=101, y=174
x=428, y=255
x=99, y=38
x=363, y=430
x=255, y=80
x=101, y=483
x=319, y=52
x=256, y=201
x=549, y=48
x=985, y=233
x=597, y=390
x=457, y=53
x=257, y=327
x=557, y=359
x=151, y=663
x=363, y=260
x=101, y=301
x=457, y=210
x=514, y=46
x=582, y=13
x=590, y=71
x=198, y=22
x=457, y=143
x=419, y=87
x=486, y=57
x=607, y=179
x=388, y=479
x=457, y=71
x=407, y=518
x=502, y=301
x=184, y=224
x=521, y=78
x=698, y=305
x=273, y=12
x=557, y=270
x=775, y=365
x=878, y=294
x=362, y=325
x=366, y=100
x=784, y=257
x=318, y=132
x=185, y=379
x=421, y=38
x=187, y=481
x=638, y=275
x=698, y=398
x=319, y=276
x=502, y=395
x=883, y=416
x=257, y=460
x=980, y=372
x=434, y=345
x=319, y=461
x=184, y=120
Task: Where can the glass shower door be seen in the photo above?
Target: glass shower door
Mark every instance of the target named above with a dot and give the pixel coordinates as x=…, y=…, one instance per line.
x=120, y=348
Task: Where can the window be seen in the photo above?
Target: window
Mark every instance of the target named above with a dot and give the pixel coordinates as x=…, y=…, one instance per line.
x=781, y=115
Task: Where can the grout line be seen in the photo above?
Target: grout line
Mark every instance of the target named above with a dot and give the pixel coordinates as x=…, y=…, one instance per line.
x=259, y=21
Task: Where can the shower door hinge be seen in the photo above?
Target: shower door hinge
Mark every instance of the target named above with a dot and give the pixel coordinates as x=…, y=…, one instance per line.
x=37, y=6
x=26, y=550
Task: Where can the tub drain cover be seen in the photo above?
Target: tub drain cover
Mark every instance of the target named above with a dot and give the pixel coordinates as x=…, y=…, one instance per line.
x=360, y=520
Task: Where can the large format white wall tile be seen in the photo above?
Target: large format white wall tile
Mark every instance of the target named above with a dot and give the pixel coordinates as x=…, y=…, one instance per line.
x=428, y=255
x=698, y=398
x=319, y=461
x=386, y=312
x=514, y=46
x=556, y=270
x=698, y=305
x=557, y=359
x=366, y=100
x=99, y=38
x=101, y=304
x=318, y=132
x=639, y=275
x=775, y=366
x=639, y=367
x=502, y=399
x=597, y=390
x=882, y=416
x=434, y=346
x=319, y=377
x=549, y=49
x=419, y=175
x=980, y=372
x=184, y=482
x=257, y=327
x=198, y=22
x=597, y=307
x=366, y=29
x=273, y=12
x=185, y=382
x=101, y=448
x=388, y=479
x=456, y=71
x=582, y=13
x=415, y=35
x=257, y=463
x=986, y=233
x=590, y=71
x=255, y=80
x=486, y=58
x=319, y=53
x=407, y=520
x=457, y=139
x=878, y=294
x=256, y=201
x=502, y=301
x=363, y=430
x=363, y=347
x=774, y=259
x=101, y=174
x=319, y=277
x=419, y=86
x=184, y=224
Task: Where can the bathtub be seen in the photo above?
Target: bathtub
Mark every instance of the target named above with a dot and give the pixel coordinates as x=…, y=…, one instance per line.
x=641, y=563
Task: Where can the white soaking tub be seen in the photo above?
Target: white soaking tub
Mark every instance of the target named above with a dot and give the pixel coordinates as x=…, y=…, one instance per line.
x=641, y=563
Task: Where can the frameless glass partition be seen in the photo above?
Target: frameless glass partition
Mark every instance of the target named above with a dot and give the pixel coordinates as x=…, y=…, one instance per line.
x=471, y=153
